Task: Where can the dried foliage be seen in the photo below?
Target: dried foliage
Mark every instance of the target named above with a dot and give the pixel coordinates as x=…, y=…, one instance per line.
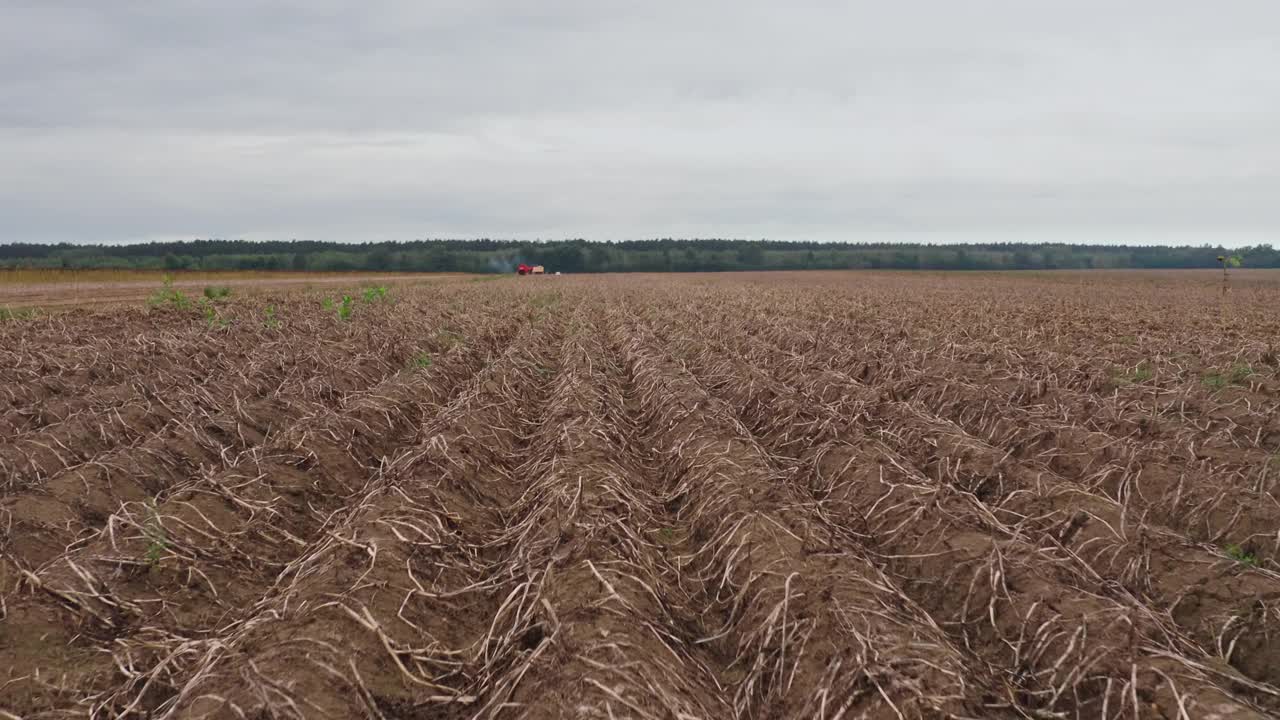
x=824, y=495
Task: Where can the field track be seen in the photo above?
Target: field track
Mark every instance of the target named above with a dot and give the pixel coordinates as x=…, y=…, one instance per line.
x=20, y=289
x=776, y=495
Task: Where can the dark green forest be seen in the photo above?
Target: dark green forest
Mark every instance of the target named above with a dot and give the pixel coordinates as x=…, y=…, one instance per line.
x=581, y=256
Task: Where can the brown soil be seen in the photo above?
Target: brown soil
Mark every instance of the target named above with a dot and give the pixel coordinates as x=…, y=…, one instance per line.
x=718, y=496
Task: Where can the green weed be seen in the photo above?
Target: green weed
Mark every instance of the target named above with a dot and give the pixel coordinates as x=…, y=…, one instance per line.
x=153, y=530
x=169, y=296
x=1242, y=556
x=344, y=308
x=217, y=292
x=374, y=294
x=421, y=360
x=270, y=321
x=211, y=317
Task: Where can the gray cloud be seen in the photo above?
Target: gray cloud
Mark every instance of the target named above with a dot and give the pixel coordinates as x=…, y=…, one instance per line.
x=990, y=119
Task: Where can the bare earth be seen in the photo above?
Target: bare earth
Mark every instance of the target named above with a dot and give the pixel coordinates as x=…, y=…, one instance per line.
x=748, y=496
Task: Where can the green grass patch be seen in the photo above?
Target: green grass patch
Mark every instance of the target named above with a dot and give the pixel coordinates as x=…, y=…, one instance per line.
x=1214, y=381
x=1238, y=374
x=9, y=314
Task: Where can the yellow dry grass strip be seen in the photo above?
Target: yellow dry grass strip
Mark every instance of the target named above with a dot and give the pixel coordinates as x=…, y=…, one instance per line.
x=40, y=276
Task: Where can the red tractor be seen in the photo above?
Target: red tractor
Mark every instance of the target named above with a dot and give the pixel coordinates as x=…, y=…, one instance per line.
x=523, y=269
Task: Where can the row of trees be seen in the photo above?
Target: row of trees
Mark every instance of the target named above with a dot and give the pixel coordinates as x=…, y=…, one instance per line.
x=578, y=256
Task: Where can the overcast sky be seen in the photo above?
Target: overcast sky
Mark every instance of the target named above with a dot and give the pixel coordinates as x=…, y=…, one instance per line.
x=1078, y=120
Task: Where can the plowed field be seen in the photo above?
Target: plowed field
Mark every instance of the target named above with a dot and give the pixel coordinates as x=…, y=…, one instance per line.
x=833, y=495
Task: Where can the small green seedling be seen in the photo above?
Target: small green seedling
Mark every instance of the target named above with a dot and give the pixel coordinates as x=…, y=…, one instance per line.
x=1242, y=556
x=217, y=292
x=421, y=360
x=1240, y=372
x=374, y=294
x=211, y=317
x=270, y=321
x=1142, y=373
x=157, y=541
x=344, y=310
x=1214, y=381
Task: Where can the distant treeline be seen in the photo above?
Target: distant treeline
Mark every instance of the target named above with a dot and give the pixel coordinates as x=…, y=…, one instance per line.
x=579, y=256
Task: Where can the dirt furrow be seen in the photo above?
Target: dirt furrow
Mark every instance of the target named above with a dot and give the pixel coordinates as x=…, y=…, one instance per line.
x=75, y=503
x=211, y=380
x=1230, y=610
x=355, y=624
x=810, y=625
x=792, y=420
x=606, y=625
x=214, y=548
